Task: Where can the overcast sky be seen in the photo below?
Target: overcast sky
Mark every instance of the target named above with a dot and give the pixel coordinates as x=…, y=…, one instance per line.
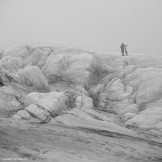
x=94, y=24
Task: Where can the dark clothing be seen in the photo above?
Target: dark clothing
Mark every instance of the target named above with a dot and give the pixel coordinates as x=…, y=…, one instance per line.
x=124, y=49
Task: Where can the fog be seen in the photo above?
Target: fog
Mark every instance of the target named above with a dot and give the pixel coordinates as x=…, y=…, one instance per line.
x=91, y=24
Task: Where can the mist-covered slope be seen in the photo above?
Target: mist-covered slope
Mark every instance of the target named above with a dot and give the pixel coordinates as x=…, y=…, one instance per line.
x=84, y=90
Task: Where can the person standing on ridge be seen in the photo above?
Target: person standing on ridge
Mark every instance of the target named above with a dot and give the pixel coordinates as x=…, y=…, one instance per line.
x=123, y=48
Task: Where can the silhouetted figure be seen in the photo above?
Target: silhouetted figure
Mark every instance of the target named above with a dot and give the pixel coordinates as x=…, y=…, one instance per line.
x=123, y=49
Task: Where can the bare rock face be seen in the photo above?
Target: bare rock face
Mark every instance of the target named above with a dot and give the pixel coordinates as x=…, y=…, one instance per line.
x=135, y=93
x=9, y=100
x=128, y=87
x=44, y=105
x=16, y=66
x=148, y=119
x=84, y=102
x=144, y=60
x=147, y=82
x=77, y=68
x=11, y=64
x=18, y=51
x=36, y=112
x=22, y=114
x=39, y=56
x=32, y=76
x=103, y=94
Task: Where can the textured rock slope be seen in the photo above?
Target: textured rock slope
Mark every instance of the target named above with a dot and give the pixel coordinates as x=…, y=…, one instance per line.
x=128, y=87
x=82, y=89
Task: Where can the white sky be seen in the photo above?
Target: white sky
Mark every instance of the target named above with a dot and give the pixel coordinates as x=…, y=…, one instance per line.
x=94, y=24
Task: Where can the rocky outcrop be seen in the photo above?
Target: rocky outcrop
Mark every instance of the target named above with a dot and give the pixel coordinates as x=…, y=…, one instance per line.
x=128, y=88
x=43, y=105
x=84, y=102
x=134, y=93
x=10, y=101
x=11, y=64
x=105, y=96
x=148, y=119
x=39, y=56
x=32, y=76
x=18, y=51
x=76, y=68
